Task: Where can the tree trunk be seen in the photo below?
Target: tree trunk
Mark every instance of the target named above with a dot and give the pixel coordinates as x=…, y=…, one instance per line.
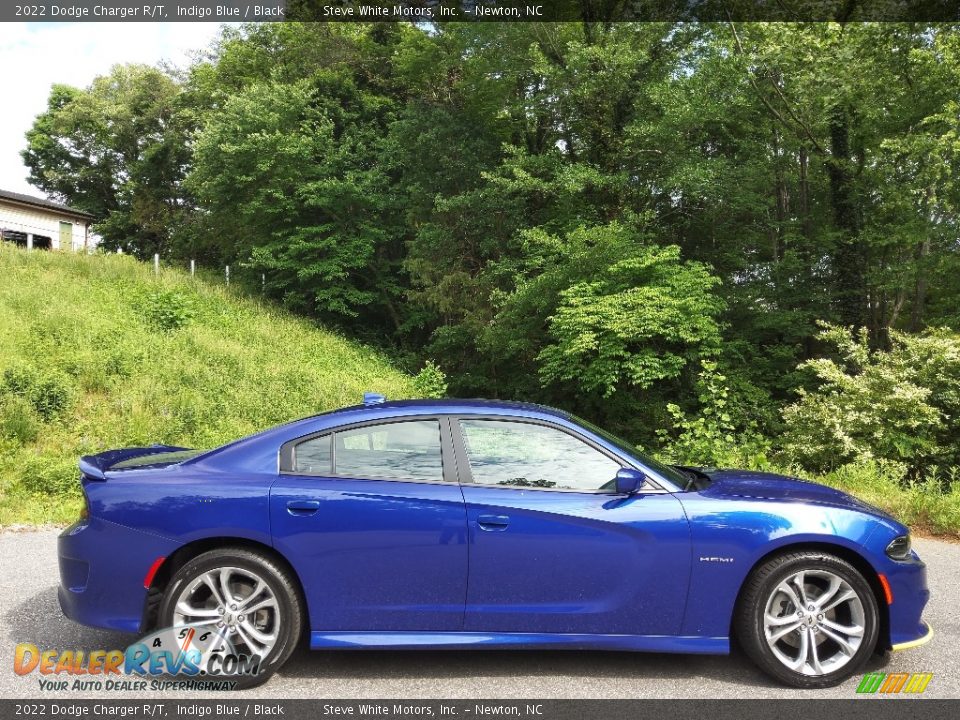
x=849, y=258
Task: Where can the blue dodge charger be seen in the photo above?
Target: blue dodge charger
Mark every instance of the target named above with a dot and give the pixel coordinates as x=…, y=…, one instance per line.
x=469, y=524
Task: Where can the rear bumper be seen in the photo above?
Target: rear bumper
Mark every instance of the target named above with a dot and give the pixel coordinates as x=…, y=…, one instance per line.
x=102, y=567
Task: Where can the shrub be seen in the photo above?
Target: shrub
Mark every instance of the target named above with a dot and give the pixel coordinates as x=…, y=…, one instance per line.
x=48, y=393
x=18, y=420
x=430, y=382
x=166, y=309
x=51, y=396
x=899, y=405
x=18, y=380
x=49, y=475
x=721, y=433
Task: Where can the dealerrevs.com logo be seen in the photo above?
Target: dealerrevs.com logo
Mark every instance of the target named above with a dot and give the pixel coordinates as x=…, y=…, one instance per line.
x=894, y=683
x=197, y=658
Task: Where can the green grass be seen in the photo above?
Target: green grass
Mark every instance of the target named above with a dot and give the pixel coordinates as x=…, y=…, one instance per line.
x=96, y=352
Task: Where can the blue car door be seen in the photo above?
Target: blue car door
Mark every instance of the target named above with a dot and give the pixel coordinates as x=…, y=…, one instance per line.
x=552, y=550
x=372, y=518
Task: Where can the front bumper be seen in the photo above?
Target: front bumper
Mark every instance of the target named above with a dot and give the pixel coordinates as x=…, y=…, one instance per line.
x=927, y=637
x=908, y=585
x=102, y=568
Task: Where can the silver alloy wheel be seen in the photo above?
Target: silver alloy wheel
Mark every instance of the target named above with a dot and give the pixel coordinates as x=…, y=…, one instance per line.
x=238, y=603
x=814, y=622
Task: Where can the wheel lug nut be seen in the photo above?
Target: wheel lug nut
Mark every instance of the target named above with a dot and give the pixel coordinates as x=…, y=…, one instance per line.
x=240, y=618
x=233, y=607
x=220, y=610
x=220, y=624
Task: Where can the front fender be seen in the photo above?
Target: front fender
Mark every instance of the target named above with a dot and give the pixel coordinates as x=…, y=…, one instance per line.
x=729, y=537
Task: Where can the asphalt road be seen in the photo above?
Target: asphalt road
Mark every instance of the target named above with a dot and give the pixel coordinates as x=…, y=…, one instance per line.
x=28, y=602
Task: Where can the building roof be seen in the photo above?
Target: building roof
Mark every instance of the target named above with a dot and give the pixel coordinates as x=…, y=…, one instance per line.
x=43, y=204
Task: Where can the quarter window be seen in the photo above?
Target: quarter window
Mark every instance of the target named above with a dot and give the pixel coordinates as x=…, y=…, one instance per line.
x=313, y=456
x=402, y=450
x=517, y=454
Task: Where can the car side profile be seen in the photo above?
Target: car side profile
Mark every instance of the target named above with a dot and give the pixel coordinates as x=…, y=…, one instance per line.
x=479, y=524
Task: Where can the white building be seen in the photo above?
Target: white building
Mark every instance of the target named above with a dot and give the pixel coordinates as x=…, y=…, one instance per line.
x=33, y=222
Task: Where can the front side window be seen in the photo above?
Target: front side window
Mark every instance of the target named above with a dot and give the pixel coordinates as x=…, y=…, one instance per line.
x=401, y=450
x=517, y=454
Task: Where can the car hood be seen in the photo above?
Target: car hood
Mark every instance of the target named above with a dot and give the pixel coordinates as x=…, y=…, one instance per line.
x=768, y=486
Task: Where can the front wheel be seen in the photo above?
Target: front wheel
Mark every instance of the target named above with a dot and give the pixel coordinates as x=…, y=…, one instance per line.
x=248, y=599
x=809, y=619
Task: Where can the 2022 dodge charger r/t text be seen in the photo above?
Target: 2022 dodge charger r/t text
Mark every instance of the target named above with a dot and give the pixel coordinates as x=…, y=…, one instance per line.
x=467, y=524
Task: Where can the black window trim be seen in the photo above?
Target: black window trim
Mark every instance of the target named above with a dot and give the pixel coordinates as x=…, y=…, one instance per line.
x=447, y=455
x=651, y=487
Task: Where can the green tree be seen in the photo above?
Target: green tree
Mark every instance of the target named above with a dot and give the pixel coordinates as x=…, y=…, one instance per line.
x=117, y=149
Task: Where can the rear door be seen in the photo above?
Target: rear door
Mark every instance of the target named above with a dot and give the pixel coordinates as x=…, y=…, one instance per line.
x=552, y=550
x=373, y=519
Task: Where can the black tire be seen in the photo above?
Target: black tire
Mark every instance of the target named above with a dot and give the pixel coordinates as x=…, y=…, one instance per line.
x=279, y=581
x=760, y=589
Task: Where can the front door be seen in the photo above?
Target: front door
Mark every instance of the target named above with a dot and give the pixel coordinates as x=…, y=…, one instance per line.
x=66, y=236
x=552, y=550
x=373, y=519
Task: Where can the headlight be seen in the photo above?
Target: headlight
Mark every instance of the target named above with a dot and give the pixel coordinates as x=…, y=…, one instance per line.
x=899, y=548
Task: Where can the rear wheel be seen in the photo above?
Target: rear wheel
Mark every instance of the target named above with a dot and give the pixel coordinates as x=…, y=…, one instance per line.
x=809, y=619
x=246, y=597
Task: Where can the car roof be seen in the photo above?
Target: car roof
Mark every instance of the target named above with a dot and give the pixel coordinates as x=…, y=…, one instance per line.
x=450, y=405
x=394, y=408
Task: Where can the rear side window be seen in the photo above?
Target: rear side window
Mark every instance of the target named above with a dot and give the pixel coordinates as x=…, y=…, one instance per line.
x=408, y=450
x=402, y=450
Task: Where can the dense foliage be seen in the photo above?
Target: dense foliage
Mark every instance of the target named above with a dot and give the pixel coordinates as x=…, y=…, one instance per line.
x=900, y=405
x=643, y=223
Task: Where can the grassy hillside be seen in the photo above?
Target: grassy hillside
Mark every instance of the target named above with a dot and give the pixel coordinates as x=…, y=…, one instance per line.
x=96, y=352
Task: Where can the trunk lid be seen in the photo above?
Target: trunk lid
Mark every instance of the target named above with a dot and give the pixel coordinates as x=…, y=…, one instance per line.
x=95, y=467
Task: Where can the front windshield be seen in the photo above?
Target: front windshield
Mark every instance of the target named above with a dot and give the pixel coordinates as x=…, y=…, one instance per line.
x=670, y=473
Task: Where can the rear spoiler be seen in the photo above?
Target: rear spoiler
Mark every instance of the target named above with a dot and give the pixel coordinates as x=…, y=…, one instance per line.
x=95, y=466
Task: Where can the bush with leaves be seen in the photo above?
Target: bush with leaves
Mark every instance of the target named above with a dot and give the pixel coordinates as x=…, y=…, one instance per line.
x=18, y=420
x=166, y=309
x=899, y=405
x=430, y=382
x=49, y=394
x=720, y=433
x=50, y=475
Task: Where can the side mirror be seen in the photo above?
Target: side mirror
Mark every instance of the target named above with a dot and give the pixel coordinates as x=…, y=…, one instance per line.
x=629, y=481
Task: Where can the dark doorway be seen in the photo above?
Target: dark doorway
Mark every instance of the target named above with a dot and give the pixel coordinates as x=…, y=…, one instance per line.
x=41, y=242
